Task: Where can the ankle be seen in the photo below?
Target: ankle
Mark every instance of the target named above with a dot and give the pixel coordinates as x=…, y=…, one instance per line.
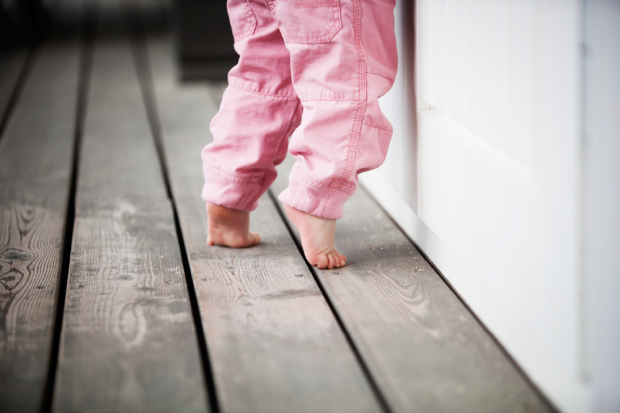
x=230, y=227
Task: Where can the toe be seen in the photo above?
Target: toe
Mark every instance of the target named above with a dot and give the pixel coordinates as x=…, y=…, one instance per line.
x=210, y=241
x=334, y=260
x=255, y=238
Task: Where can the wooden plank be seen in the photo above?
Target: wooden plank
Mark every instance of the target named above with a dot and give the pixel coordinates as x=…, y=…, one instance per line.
x=36, y=153
x=11, y=66
x=118, y=155
x=274, y=344
x=128, y=341
x=424, y=349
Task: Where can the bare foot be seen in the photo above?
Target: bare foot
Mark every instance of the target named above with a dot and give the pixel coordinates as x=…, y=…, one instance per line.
x=317, y=238
x=229, y=227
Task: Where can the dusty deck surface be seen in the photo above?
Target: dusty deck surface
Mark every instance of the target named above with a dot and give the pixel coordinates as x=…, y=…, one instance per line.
x=111, y=301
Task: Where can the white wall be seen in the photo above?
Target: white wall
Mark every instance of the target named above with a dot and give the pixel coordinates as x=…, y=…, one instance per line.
x=601, y=153
x=488, y=175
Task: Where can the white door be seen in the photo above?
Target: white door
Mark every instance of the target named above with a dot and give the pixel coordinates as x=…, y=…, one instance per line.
x=489, y=186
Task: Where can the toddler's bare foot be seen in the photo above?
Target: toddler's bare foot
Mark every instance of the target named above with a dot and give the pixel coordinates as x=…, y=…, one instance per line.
x=317, y=238
x=229, y=227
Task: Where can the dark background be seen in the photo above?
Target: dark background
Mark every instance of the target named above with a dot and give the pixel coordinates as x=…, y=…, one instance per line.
x=204, y=40
x=201, y=32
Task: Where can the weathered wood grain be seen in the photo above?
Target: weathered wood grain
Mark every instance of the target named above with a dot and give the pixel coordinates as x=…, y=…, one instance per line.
x=31, y=235
x=128, y=342
x=36, y=153
x=11, y=67
x=424, y=349
x=118, y=156
x=273, y=342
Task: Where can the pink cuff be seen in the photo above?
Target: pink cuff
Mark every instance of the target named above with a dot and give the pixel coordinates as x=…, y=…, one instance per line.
x=230, y=191
x=319, y=199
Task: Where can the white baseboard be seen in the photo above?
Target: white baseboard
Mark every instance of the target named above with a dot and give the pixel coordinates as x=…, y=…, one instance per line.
x=562, y=386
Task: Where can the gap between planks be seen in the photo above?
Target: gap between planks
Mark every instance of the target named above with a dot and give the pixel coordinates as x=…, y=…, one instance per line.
x=87, y=36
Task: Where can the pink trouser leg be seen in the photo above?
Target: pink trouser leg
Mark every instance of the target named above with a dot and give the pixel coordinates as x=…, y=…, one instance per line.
x=329, y=60
x=258, y=113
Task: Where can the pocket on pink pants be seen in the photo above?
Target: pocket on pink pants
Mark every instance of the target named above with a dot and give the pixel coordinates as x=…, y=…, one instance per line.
x=242, y=19
x=307, y=21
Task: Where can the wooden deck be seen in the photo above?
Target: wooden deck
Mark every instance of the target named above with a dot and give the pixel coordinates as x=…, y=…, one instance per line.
x=111, y=301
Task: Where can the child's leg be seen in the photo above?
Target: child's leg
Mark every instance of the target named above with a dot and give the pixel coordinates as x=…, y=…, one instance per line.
x=343, y=58
x=229, y=227
x=338, y=80
x=259, y=111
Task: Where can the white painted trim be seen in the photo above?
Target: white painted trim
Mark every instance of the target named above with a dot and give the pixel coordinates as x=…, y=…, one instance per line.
x=601, y=202
x=563, y=387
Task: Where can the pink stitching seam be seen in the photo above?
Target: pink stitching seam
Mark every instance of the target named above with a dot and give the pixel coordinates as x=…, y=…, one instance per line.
x=343, y=186
x=251, y=20
x=273, y=95
x=335, y=184
x=328, y=100
x=380, y=74
x=316, y=4
x=336, y=23
x=235, y=179
x=243, y=33
x=362, y=84
x=309, y=180
x=378, y=128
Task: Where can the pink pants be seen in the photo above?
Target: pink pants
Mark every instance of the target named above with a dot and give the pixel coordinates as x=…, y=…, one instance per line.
x=313, y=69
